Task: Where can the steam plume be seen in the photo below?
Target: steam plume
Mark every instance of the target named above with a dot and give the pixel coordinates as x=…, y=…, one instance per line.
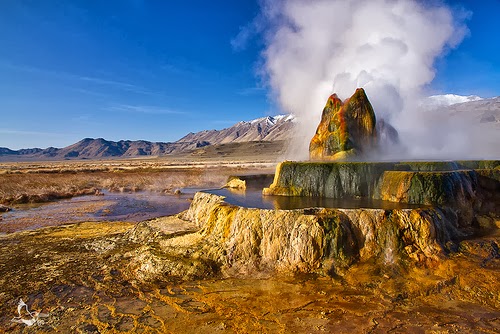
x=315, y=48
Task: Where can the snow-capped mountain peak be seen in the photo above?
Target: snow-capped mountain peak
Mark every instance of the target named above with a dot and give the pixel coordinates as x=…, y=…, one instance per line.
x=267, y=128
x=446, y=100
x=272, y=120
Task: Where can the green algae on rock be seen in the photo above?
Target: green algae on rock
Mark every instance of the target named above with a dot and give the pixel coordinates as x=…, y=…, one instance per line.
x=327, y=179
x=237, y=241
x=467, y=191
x=349, y=130
x=346, y=128
x=455, y=189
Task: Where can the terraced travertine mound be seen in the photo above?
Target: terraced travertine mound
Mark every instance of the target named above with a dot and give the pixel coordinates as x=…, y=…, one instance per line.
x=327, y=179
x=467, y=187
x=235, y=240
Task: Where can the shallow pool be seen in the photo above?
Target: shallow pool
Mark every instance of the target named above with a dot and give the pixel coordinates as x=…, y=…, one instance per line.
x=253, y=198
x=127, y=207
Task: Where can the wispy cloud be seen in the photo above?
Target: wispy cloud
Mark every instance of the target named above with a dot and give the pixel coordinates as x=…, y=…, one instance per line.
x=125, y=86
x=242, y=39
x=113, y=83
x=23, y=68
x=29, y=133
x=88, y=92
x=153, y=110
x=184, y=67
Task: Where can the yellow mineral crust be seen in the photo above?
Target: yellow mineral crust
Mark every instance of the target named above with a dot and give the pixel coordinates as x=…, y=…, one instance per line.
x=346, y=129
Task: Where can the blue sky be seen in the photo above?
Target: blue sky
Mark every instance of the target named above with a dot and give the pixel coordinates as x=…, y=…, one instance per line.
x=473, y=67
x=156, y=70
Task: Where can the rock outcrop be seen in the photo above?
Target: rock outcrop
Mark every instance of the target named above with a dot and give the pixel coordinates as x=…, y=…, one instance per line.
x=234, y=240
x=451, y=184
x=327, y=179
x=349, y=129
x=346, y=129
x=459, y=190
x=249, y=181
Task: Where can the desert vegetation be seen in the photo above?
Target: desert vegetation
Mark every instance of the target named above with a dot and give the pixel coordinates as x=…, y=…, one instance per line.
x=42, y=182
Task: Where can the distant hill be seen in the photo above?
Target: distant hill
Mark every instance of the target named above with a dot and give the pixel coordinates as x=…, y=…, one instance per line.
x=436, y=101
x=485, y=111
x=269, y=128
x=90, y=148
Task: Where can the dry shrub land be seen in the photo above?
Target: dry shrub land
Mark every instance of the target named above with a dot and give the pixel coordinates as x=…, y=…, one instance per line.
x=42, y=182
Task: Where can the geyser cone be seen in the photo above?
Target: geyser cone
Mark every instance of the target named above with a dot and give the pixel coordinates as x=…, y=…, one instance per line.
x=346, y=129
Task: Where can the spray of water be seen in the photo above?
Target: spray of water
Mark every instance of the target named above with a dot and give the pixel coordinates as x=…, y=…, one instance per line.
x=388, y=47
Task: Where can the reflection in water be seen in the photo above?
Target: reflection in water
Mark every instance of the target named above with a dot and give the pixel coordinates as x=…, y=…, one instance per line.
x=129, y=207
x=140, y=206
x=254, y=199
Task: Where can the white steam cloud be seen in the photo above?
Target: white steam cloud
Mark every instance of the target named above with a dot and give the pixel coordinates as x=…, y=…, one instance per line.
x=388, y=47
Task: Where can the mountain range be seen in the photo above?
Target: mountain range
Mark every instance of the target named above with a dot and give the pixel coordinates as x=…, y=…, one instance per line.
x=268, y=128
x=485, y=112
x=445, y=100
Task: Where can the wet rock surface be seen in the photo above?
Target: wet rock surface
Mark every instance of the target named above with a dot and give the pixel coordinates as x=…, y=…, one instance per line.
x=348, y=129
x=255, y=181
x=327, y=179
x=78, y=275
x=467, y=187
x=239, y=241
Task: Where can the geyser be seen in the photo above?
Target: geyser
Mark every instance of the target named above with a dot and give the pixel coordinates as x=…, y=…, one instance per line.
x=443, y=202
x=387, y=47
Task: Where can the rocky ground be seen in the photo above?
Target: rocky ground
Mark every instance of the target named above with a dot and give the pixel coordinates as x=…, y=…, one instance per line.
x=79, y=275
